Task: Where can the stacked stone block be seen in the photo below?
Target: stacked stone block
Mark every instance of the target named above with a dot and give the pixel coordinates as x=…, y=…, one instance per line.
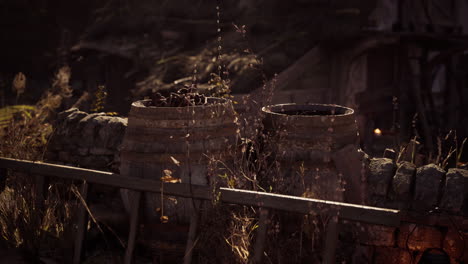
x=87, y=140
x=434, y=207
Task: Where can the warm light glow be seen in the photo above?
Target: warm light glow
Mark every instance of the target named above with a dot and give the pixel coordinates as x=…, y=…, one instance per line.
x=377, y=132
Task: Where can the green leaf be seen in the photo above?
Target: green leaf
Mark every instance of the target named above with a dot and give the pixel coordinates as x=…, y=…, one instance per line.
x=7, y=113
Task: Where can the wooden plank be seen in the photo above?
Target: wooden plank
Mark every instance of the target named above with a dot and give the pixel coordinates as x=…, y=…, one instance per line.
x=134, y=215
x=192, y=235
x=3, y=177
x=353, y=212
x=261, y=235
x=416, y=70
x=107, y=178
x=331, y=240
x=310, y=59
x=347, y=211
x=39, y=186
x=434, y=219
x=82, y=224
x=348, y=162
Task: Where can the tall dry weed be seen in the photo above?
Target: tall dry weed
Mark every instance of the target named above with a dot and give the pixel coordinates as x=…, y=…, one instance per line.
x=39, y=226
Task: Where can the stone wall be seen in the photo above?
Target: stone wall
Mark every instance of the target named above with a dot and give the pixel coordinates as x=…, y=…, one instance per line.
x=87, y=140
x=434, y=204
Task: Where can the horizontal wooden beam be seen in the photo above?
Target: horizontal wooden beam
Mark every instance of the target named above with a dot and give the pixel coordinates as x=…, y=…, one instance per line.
x=304, y=205
x=435, y=219
x=107, y=178
x=368, y=214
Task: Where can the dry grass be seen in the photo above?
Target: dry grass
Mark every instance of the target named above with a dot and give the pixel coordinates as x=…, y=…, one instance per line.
x=39, y=227
x=38, y=230
x=226, y=236
x=449, y=152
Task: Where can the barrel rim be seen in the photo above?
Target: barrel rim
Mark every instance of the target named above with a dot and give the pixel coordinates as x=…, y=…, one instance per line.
x=215, y=101
x=269, y=109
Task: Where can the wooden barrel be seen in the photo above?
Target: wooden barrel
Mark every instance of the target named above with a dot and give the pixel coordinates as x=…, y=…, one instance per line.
x=303, y=139
x=158, y=138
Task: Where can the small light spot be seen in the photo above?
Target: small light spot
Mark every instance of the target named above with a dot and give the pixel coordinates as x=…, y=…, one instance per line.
x=377, y=132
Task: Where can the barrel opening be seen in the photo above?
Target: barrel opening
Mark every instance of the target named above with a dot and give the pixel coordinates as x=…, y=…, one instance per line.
x=308, y=110
x=209, y=101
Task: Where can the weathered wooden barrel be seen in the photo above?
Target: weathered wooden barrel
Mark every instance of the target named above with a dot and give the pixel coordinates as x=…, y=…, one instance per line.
x=178, y=139
x=303, y=139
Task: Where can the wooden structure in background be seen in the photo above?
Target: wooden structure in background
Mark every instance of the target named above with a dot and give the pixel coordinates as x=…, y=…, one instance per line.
x=403, y=58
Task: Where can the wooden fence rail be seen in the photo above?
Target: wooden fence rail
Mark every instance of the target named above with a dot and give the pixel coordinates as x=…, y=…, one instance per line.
x=353, y=212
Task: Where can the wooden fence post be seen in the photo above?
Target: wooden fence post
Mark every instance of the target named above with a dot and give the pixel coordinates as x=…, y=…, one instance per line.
x=82, y=224
x=193, y=229
x=331, y=240
x=261, y=235
x=39, y=190
x=135, y=198
x=3, y=178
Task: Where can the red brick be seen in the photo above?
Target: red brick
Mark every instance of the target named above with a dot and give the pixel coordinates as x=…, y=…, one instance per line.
x=362, y=254
x=354, y=253
x=418, y=237
x=375, y=235
x=453, y=244
x=390, y=255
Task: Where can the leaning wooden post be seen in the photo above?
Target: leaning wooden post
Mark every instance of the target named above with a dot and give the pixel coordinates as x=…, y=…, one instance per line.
x=39, y=190
x=331, y=240
x=3, y=178
x=261, y=235
x=135, y=198
x=193, y=229
x=82, y=224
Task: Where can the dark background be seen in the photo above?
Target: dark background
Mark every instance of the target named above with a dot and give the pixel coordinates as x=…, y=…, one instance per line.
x=400, y=64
